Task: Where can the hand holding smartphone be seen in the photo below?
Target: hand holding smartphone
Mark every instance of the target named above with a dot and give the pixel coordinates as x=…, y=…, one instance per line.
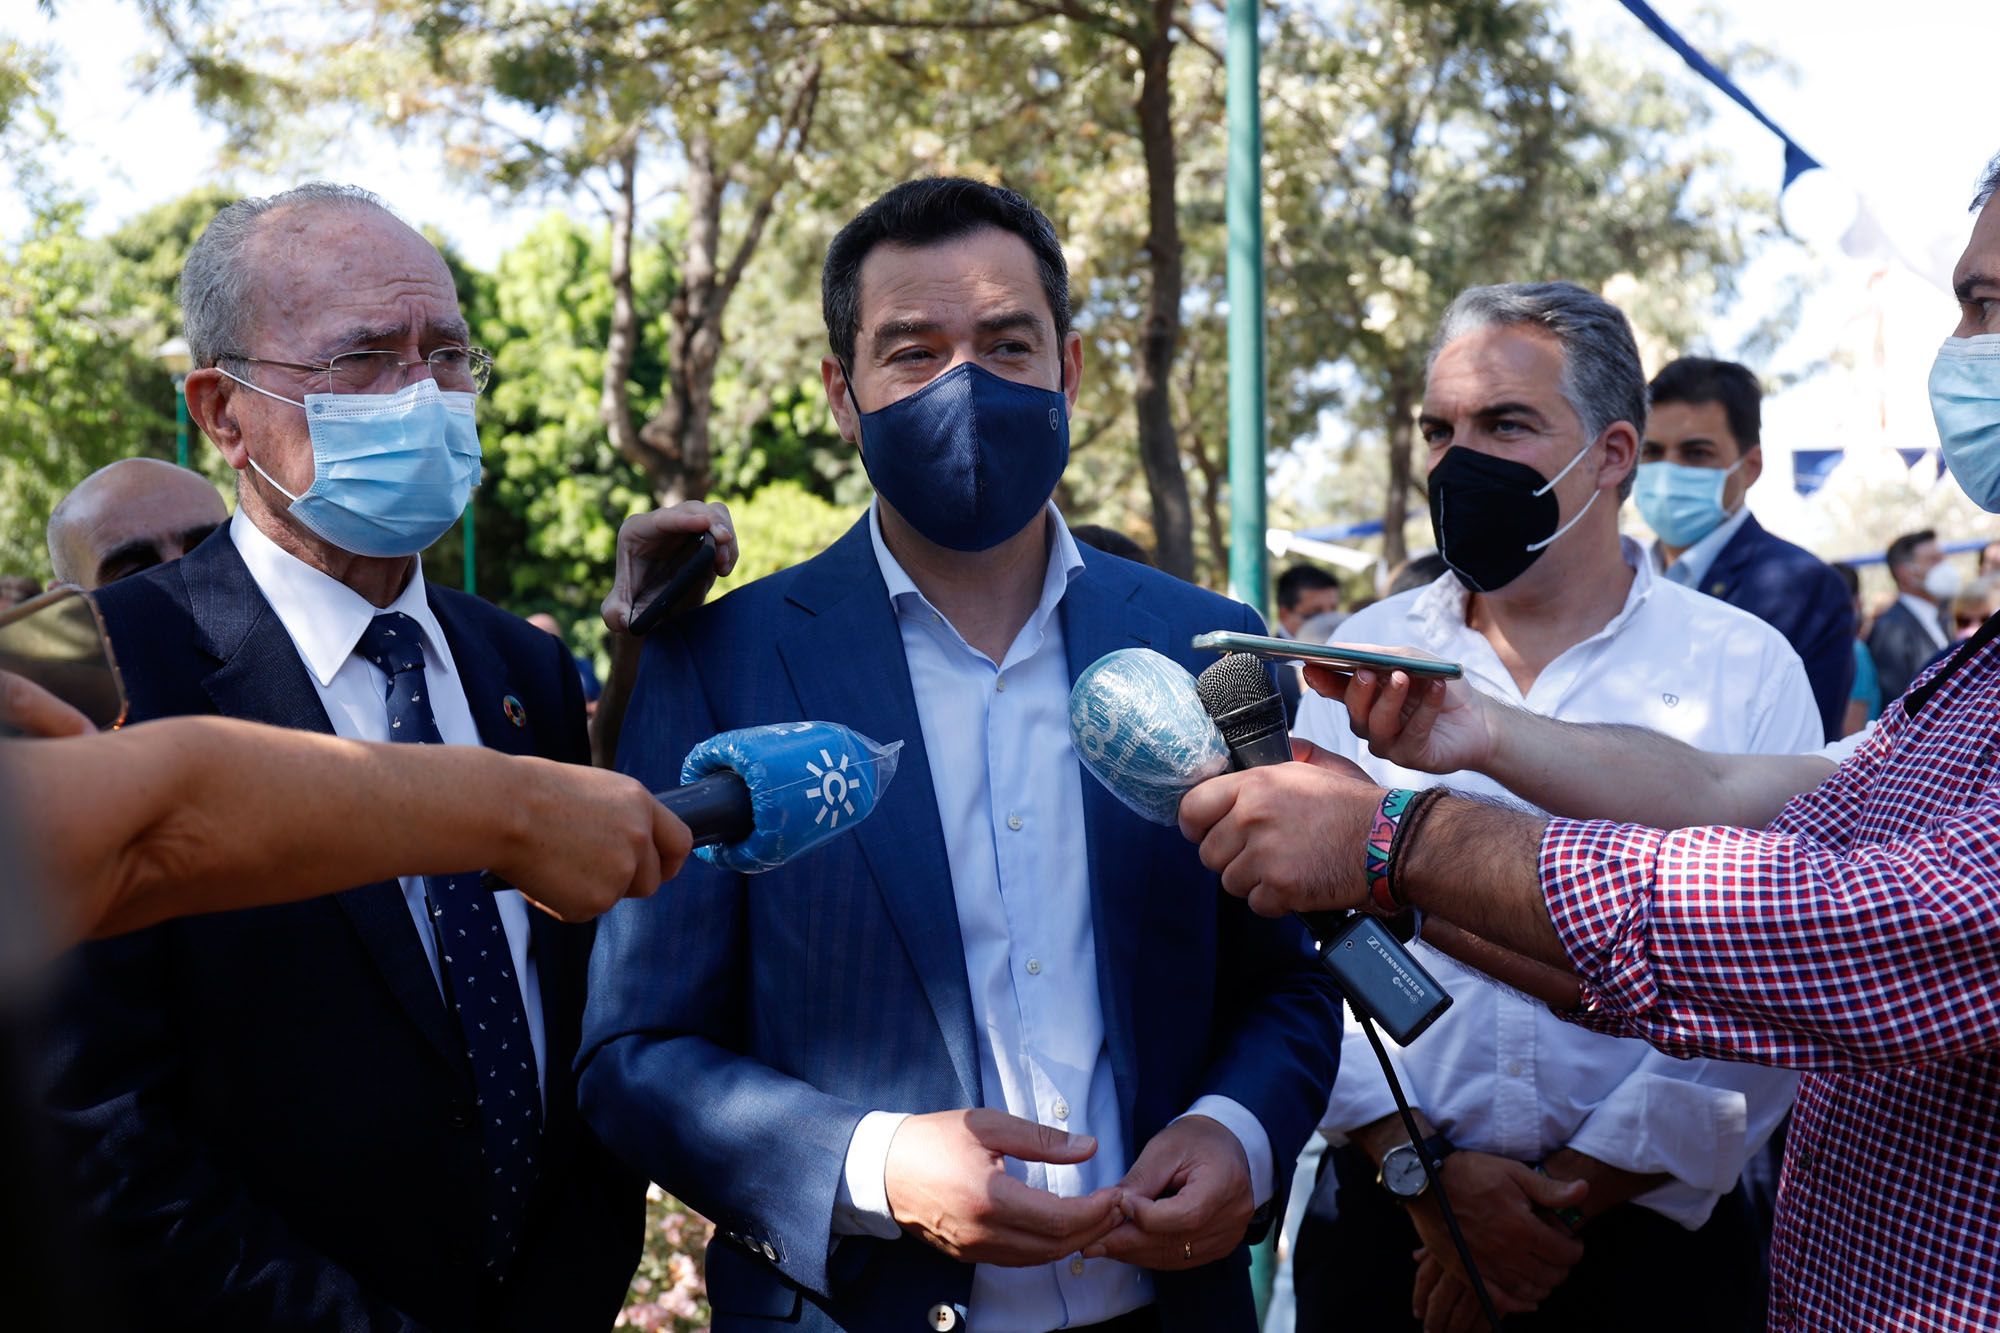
x=1340, y=656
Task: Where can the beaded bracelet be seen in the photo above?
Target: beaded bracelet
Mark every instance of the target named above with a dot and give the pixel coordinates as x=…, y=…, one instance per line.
x=1402, y=809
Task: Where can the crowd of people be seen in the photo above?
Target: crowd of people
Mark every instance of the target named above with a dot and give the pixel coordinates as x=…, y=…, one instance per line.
x=1006, y=1057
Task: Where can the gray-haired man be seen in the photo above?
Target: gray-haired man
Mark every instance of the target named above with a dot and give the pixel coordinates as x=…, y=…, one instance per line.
x=1581, y=1166
x=355, y=1112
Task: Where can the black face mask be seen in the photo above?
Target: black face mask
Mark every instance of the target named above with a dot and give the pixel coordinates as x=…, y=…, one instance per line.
x=1493, y=517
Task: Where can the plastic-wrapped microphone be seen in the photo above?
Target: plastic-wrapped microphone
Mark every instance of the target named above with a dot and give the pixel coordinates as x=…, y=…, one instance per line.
x=769, y=794
x=1365, y=954
x=759, y=797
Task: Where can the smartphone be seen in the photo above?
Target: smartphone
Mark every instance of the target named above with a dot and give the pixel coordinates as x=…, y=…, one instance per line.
x=1328, y=654
x=58, y=641
x=699, y=562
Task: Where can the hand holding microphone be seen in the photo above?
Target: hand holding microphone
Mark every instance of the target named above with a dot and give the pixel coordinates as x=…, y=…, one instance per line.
x=750, y=801
x=1284, y=836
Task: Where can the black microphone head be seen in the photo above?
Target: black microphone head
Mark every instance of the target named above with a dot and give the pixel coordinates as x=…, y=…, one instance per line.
x=1236, y=690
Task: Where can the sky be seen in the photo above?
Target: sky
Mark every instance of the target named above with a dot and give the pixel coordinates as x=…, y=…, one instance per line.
x=1899, y=109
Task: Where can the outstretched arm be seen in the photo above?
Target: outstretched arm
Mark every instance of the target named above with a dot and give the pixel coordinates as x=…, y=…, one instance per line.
x=190, y=815
x=1445, y=726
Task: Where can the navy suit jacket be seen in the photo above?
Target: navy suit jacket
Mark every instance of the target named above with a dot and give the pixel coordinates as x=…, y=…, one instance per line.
x=272, y=1109
x=1799, y=595
x=740, y=1028
x=1902, y=649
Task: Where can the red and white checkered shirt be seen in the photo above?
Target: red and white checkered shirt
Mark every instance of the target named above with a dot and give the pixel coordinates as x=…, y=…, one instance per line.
x=1857, y=937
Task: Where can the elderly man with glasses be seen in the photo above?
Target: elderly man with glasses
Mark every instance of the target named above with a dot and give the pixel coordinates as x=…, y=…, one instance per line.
x=353, y=1112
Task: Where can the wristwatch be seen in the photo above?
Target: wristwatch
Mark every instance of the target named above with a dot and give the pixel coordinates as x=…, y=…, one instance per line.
x=1402, y=1171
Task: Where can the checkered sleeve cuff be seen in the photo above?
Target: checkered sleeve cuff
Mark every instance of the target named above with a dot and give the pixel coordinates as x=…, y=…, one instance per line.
x=1597, y=879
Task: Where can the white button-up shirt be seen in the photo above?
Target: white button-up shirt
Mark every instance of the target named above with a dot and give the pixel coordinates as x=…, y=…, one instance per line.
x=1499, y=1073
x=325, y=618
x=1010, y=802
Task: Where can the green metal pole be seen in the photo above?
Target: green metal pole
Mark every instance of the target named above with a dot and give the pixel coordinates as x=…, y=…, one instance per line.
x=180, y=420
x=467, y=526
x=1248, y=575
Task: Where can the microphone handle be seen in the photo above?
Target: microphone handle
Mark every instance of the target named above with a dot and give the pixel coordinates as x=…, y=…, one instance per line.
x=1275, y=747
x=716, y=808
x=1377, y=974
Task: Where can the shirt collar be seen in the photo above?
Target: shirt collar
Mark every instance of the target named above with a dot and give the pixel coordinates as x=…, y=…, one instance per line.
x=1065, y=562
x=1696, y=561
x=324, y=616
x=1440, y=608
x=1930, y=616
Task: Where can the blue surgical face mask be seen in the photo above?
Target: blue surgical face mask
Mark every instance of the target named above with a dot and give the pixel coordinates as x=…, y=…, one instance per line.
x=969, y=459
x=391, y=471
x=1681, y=504
x=1965, y=399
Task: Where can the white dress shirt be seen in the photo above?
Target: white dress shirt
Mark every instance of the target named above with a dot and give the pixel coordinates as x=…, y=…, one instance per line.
x=325, y=618
x=1928, y=615
x=1010, y=801
x=1693, y=566
x=1499, y=1073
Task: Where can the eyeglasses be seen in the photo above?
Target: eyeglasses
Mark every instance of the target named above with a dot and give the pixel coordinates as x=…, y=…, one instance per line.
x=456, y=370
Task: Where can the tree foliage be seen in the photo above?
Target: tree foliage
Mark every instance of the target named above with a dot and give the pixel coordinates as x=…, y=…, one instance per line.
x=706, y=153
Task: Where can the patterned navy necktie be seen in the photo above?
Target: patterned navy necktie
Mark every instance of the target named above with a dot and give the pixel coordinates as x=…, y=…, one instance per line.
x=477, y=969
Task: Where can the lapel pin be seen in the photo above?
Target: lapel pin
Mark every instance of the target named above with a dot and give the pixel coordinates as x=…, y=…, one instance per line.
x=516, y=714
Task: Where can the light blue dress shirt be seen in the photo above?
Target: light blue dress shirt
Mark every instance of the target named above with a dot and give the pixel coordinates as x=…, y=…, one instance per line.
x=1693, y=566
x=1010, y=802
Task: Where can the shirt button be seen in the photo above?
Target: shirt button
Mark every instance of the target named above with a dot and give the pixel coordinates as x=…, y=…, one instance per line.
x=1061, y=1108
x=1076, y=1266
x=1513, y=1069
x=1000, y=684
x=1034, y=967
x=1014, y=822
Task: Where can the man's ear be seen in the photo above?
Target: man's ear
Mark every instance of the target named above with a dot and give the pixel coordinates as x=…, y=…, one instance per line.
x=840, y=398
x=1621, y=454
x=211, y=404
x=1752, y=465
x=1072, y=366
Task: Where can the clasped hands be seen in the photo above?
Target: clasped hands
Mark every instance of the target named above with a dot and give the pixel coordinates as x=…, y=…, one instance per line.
x=1185, y=1202
x=1504, y=1211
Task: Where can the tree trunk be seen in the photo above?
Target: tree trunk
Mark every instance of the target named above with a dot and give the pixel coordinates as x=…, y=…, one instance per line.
x=676, y=437
x=615, y=402
x=1173, y=520
x=1402, y=445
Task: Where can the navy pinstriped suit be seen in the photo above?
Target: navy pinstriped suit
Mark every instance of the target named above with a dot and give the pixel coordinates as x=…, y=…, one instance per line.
x=739, y=1028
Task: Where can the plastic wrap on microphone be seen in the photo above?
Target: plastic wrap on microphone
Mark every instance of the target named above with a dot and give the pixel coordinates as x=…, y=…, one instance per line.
x=1139, y=727
x=808, y=781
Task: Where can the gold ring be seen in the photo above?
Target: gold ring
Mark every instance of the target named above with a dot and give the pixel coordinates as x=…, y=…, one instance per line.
x=1187, y=1250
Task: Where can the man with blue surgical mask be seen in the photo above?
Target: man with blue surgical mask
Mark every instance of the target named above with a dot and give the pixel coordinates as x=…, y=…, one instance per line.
x=1005, y=1058
x=1700, y=456
x=356, y=1111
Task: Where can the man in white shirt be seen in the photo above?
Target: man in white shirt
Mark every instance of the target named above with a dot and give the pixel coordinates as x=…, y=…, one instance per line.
x=1579, y=1165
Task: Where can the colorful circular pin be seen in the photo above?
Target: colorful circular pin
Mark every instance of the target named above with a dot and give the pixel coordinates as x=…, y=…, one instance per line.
x=516, y=714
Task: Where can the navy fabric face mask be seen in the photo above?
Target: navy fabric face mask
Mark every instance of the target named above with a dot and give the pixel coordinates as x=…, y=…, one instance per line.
x=970, y=458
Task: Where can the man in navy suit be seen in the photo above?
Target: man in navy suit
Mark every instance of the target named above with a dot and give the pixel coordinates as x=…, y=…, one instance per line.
x=1912, y=631
x=354, y=1112
x=1701, y=455
x=1006, y=1058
